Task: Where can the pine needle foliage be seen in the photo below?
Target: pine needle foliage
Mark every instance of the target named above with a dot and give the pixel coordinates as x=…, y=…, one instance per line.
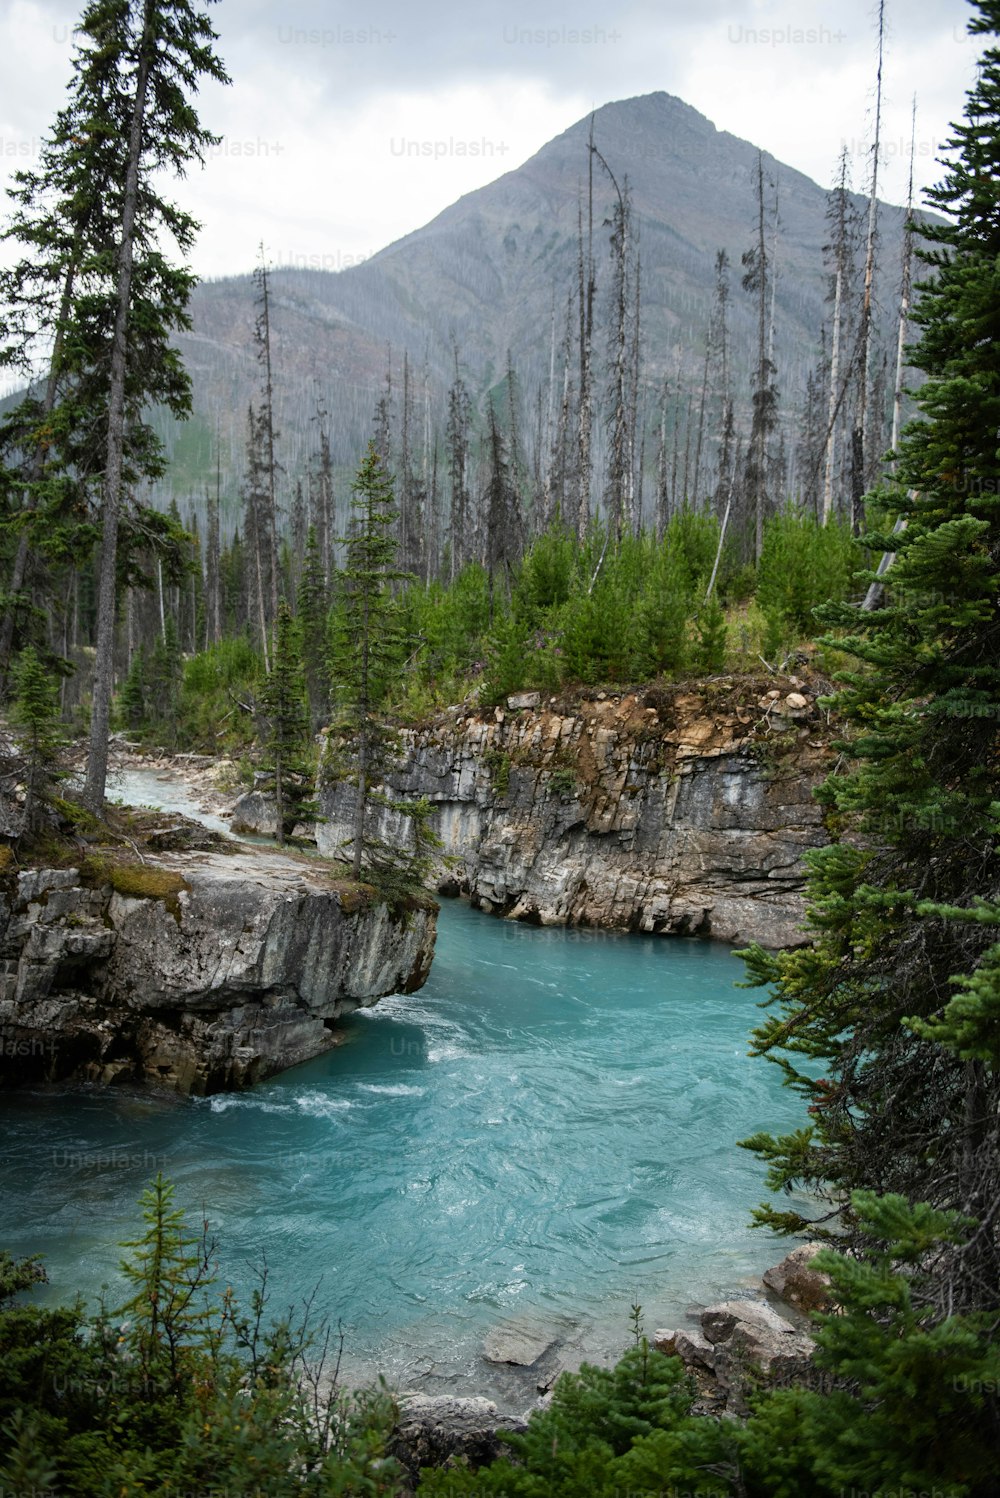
x=888, y=1023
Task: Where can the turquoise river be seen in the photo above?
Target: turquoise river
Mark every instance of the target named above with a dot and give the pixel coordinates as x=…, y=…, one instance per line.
x=545, y=1133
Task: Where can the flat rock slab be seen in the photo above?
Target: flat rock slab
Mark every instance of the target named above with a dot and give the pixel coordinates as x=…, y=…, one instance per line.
x=719, y=1322
x=518, y=1343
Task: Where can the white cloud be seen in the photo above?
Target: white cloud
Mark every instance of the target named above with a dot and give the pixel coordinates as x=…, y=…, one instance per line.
x=345, y=130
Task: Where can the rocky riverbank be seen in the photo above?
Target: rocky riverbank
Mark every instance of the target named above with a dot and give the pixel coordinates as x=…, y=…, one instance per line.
x=202, y=969
x=728, y=1349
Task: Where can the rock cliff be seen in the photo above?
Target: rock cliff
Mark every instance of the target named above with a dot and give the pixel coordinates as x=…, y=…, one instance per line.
x=238, y=967
x=666, y=810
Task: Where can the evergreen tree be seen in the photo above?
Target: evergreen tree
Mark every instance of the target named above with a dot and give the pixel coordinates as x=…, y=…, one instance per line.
x=35, y=711
x=366, y=645
x=132, y=699
x=162, y=52
x=163, y=683
x=889, y=1022
x=287, y=738
x=97, y=285
x=712, y=630
x=179, y=1390
x=168, y=1272
x=312, y=610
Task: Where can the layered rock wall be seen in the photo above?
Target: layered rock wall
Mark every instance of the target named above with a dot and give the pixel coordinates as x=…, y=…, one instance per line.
x=668, y=810
x=239, y=973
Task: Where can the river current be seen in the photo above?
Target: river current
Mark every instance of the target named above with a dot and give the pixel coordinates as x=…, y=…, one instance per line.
x=544, y=1134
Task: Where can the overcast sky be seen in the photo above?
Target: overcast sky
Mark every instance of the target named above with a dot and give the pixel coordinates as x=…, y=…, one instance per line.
x=346, y=126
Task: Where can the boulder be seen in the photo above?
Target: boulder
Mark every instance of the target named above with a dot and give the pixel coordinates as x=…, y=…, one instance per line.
x=797, y=1283
x=517, y=1343
x=255, y=813
x=750, y=1343
x=693, y=1349
x=440, y=1430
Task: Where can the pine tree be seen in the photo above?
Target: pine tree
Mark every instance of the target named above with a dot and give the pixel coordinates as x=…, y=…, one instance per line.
x=312, y=611
x=894, y=1009
x=162, y=51
x=168, y=1323
x=96, y=288
x=163, y=683
x=132, y=698
x=35, y=711
x=287, y=737
x=367, y=644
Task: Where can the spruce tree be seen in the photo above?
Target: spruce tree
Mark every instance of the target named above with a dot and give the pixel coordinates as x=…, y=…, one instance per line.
x=95, y=283
x=367, y=647
x=287, y=737
x=311, y=603
x=35, y=712
x=889, y=1021
x=163, y=683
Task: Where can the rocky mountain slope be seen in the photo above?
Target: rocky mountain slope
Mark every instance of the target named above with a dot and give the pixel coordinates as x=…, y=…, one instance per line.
x=492, y=273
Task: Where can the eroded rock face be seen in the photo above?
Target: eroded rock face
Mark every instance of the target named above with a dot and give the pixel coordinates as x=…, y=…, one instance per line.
x=666, y=811
x=241, y=974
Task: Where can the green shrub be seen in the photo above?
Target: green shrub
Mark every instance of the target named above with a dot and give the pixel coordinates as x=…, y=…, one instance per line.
x=216, y=687
x=802, y=565
x=179, y=1389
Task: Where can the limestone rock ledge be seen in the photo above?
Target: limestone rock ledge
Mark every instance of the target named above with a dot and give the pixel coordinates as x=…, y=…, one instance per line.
x=242, y=973
x=670, y=809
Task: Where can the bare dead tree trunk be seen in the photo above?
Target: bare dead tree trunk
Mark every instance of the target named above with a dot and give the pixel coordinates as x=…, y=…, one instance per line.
x=859, y=436
x=364, y=706
x=874, y=595
x=762, y=376
x=270, y=519
x=585, y=273
x=620, y=463
x=840, y=272
x=905, y=292
x=636, y=430
x=756, y=475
